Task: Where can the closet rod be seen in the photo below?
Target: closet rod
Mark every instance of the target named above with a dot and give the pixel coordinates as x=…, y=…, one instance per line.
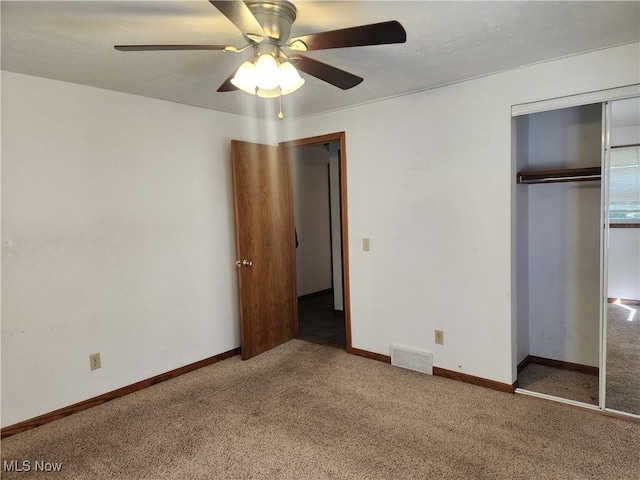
x=564, y=175
x=582, y=178
x=626, y=146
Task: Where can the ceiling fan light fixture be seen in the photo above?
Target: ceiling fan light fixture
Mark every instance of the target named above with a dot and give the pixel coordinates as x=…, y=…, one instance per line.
x=268, y=93
x=267, y=76
x=290, y=79
x=245, y=78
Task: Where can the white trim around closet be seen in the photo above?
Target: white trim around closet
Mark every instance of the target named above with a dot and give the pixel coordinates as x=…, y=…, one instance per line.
x=576, y=100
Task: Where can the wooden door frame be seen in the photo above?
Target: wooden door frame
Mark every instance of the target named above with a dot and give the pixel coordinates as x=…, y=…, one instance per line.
x=342, y=163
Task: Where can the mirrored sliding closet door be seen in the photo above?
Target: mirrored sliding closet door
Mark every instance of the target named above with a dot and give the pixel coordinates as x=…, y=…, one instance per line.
x=622, y=311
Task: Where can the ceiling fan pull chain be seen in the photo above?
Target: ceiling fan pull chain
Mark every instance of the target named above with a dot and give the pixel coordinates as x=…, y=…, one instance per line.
x=280, y=115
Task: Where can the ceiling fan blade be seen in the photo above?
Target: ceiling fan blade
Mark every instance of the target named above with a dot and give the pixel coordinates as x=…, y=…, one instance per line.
x=328, y=73
x=240, y=15
x=227, y=86
x=373, y=34
x=142, y=48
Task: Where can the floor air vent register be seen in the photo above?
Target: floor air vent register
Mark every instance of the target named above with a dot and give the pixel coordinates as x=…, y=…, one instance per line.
x=412, y=359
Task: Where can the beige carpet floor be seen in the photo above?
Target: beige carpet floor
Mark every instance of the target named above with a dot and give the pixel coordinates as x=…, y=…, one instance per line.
x=623, y=359
x=623, y=368
x=304, y=411
x=577, y=386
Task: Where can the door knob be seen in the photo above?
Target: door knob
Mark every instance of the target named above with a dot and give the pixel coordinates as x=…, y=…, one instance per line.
x=238, y=263
x=247, y=263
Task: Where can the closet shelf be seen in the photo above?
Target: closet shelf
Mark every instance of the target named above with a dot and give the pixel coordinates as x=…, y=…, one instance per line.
x=584, y=174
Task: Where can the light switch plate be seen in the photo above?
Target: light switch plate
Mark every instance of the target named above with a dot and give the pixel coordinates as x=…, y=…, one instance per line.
x=365, y=244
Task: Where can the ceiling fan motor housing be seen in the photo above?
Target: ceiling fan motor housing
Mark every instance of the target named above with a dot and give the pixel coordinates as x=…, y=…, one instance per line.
x=275, y=16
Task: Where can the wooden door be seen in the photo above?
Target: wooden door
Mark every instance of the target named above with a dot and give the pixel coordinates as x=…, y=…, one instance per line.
x=265, y=246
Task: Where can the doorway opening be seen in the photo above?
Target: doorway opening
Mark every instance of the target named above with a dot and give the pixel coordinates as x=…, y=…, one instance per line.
x=319, y=203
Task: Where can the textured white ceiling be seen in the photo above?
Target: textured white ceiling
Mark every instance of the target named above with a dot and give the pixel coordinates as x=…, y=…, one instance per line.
x=447, y=41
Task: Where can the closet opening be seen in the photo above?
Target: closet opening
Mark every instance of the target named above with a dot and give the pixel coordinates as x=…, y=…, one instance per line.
x=558, y=220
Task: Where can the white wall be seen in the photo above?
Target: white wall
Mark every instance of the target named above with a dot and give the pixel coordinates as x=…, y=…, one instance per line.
x=430, y=182
x=117, y=237
x=312, y=218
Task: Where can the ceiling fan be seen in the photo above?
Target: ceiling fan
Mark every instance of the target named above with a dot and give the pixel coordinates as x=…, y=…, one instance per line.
x=272, y=71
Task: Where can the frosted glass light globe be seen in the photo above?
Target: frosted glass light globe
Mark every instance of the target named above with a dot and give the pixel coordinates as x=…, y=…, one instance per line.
x=245, y=78
x=290, y=79
x=267, y=72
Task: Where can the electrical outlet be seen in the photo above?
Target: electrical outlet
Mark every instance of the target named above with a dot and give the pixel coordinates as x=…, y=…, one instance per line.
x=94, y=361
x=365, y=244
x=439, y=337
